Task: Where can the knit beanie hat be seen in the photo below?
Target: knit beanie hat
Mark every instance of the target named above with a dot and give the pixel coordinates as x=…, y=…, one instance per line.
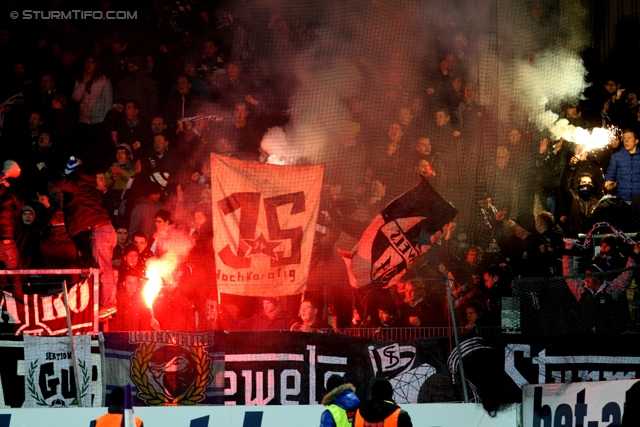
x=382, y=389
x=71, y=165
x=272, y=300
x=160, y=178
x=30, y=209
x=334, y=381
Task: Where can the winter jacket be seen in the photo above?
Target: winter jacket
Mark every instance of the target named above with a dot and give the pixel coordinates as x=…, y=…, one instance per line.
x=95, y=99
x=377, y=410
x=624, y=169
x=82, y=201
x=612, y=210
x=341, y=403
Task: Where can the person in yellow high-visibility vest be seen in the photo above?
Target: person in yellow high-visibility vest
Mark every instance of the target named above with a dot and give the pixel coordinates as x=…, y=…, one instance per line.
x=381, y=410
x=341, y=402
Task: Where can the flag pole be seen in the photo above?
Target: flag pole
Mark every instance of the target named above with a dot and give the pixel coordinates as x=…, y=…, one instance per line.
x=73, y=347
x=452, y=312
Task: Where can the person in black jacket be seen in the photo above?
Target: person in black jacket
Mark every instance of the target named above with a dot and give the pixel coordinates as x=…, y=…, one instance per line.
x=611, y=209
x=381, y=407
x=89, y=226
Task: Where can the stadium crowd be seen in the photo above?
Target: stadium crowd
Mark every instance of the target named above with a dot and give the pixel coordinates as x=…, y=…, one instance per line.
x=112, y=127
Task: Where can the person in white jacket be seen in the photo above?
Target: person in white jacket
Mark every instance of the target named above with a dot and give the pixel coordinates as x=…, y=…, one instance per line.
x=94, y=93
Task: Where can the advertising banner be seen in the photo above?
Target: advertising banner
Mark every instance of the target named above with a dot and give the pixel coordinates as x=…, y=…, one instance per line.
x=579, y=404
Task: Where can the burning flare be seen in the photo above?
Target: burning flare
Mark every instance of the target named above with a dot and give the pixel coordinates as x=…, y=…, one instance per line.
x=160, y=271
x=594, y=139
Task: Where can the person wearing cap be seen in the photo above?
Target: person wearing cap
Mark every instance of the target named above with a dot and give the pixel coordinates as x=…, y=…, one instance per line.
x=602, y=301
x=121, y=170
x=388, y=314
x=581, y=198
x=341, y=402
x=271, y=317
x=381, y=409
x=89, y=226
x=138, y=86
x=131, y=262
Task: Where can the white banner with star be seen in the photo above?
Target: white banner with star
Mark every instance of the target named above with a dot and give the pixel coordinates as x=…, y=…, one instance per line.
x=264, y=221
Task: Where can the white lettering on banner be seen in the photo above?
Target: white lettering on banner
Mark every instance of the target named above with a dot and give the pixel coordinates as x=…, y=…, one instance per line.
x=233, y=386
x=610, y=376
x=509, y=362
x=285, y=376
x=49, y=303
x=577, y=404
x=173, y=338
x=545, y=362
x=41, y=309
x=260, y=399
x=257, y=276
x=312, y=374
x=333, y=360
x=264, y=357
x=287, y=391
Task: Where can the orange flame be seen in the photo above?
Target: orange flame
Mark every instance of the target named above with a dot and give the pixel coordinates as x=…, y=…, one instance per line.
x=158, y=271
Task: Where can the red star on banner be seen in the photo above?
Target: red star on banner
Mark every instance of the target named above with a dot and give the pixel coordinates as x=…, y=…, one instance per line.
x=261, y=246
